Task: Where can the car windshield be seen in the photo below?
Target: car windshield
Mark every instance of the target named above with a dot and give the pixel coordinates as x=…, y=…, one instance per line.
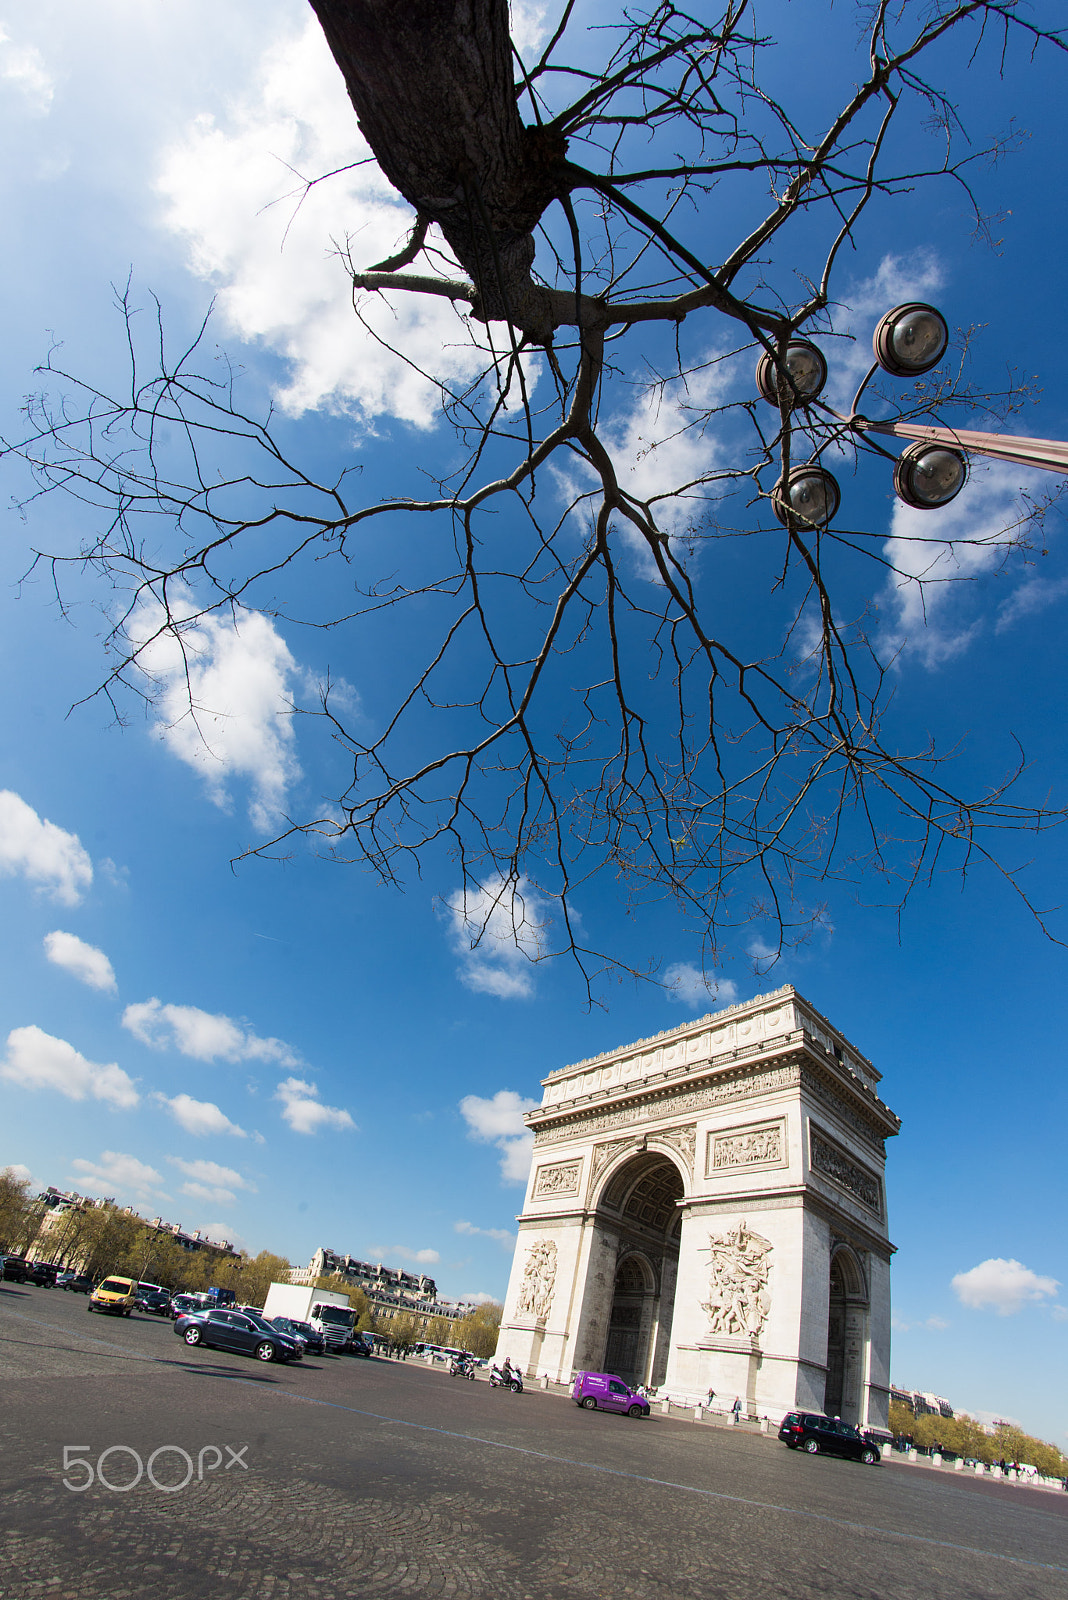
x=301, y=1327
x=115, y=1286
x=259, y=1322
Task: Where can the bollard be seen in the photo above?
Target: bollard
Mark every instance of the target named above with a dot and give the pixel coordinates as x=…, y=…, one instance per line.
x=763, y=1424
x=698, y=1413
x=912, y=1455
x=665, y=1408
x=734, y=1419
x=936, y=1459
x=979, y=1469
x=958, y=1465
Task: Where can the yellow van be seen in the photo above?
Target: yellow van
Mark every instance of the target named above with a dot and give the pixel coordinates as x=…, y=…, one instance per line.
x=115, y=1295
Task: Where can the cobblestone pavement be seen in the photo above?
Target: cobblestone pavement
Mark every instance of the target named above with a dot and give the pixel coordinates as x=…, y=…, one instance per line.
x=340, y=1478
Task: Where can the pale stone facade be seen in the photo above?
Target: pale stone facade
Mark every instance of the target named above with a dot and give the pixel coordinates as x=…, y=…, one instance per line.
x=706, y=1209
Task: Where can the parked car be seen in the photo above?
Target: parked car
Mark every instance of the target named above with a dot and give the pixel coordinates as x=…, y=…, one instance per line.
x=309, y=1337
x=115, y=1296
x=16, y=1269
x=602, y=1391
x=819, y=1435
x=43, y=1274
x=183, y=1303
x=77, y=1282
x=245, y=1332
x=362, y=1344
x=151, y=1298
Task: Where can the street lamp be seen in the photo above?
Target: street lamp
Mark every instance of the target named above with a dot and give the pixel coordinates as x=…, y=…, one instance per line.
x=908, y=341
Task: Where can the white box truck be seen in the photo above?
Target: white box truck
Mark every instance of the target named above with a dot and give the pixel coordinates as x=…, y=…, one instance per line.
x=328, y=1311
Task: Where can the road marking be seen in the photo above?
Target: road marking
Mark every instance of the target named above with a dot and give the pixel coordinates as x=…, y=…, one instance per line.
x=582, y=1466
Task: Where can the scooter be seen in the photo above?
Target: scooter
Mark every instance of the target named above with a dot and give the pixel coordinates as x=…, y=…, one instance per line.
x=460, y=1368
x=513, y=1381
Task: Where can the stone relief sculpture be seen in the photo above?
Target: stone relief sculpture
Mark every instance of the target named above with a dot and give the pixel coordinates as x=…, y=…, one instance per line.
x=539, y=1278
x=563, y=1179
x=849, y=1175
x=738, y=1300
x=757, y=1146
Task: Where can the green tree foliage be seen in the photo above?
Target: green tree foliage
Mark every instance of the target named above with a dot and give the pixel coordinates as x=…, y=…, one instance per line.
x=20, y=1217
x=963, y=1436
x=478, y=1332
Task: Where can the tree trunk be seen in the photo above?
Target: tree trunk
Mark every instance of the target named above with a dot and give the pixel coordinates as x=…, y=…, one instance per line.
x=432, y=85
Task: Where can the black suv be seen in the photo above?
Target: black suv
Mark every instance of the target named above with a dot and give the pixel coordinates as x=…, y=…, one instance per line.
x=43, y=1274
x=819, y=1435
x=16, y=1269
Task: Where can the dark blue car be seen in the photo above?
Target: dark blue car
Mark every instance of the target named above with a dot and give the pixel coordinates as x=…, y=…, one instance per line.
x=244, y=1332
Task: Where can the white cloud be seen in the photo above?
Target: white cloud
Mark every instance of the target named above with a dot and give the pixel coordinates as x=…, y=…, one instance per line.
x=41, y=852
x=498, y=931
x=22, y=66
x=1030, y=598
x=935, y=553
x=400, y=1252
x=36, y=1060
x=225, y=692
x=692, y=988
x=1005, y=1286
x=230, y=191
x=499, y=1121
x=83, y=961
x=199, y=1116
x=210, y=1182
x=478, y=1297
x=305, y=1112
x=528, y=25
x=201, y=1034
x=17, y=1171
x=119, y=1175
x=501, y=1235
x=223, y=1233
x=931, y=1324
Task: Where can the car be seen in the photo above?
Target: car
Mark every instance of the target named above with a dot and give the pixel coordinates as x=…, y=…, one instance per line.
x=246, y=1332
x=182, y=1303
x=16, y=1269
x=309, y=1337
x=817, y=1435
x=603, y=1391
x=43, y=1274
x=151, y=1298
x=362, y=1344
x=76, y=1282
x=115, y=1296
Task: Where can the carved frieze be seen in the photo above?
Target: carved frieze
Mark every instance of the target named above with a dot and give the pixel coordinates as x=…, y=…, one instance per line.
x=559, y=1179
x=605, y=1154
x=744, y=1086
x=822, y=1090
x=831, y=1161
x=757, y=1146
x=539, y=1280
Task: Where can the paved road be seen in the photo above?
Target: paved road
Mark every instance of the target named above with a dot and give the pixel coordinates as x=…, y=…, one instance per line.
x=340, y=1478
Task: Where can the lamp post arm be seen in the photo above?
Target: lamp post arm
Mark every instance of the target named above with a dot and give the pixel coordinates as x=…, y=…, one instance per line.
x=1051, y=454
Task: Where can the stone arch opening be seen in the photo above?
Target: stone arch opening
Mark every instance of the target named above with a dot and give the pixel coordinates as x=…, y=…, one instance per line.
x=847, y=1329
x=640, y=1203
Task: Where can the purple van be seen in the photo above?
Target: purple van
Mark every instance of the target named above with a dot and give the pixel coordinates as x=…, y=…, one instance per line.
x=606, y=1392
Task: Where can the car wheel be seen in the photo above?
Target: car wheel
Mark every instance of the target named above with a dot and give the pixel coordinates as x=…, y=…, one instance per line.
x=90, y=1306
x=634, y=1411
x=589, y=1404
x=265, y=1351
x=192, y=1336
x=869, y=1458
x=812, y=1446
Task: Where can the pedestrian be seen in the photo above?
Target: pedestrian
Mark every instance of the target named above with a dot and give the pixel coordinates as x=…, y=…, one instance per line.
x=711, y=1396
x=736, y=1408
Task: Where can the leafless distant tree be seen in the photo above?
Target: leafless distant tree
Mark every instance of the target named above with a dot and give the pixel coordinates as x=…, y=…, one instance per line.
x=587, y=693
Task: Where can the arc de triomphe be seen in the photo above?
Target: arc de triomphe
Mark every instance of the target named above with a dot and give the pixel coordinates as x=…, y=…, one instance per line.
x=706, y=1209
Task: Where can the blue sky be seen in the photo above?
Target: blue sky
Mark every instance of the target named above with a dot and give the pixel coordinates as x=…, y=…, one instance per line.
x=289, y=1053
